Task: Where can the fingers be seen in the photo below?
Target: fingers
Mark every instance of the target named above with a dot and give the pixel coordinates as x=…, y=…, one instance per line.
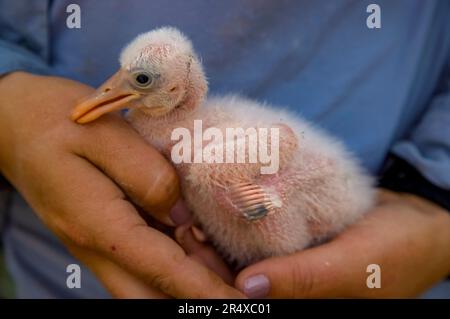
x=202, y=252
x=180, y=214
x=139, y=169
x=120, y=283
x=95, y=216
x=162, y=263
x=82, y=205
x=334, y=269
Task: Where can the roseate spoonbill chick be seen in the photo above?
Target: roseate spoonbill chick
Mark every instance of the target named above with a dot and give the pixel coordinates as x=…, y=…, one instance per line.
x=316, y=190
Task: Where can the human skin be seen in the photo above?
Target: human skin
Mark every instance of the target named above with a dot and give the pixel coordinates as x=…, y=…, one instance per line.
x=76, y=178
x=407, y=236
x=85, y=182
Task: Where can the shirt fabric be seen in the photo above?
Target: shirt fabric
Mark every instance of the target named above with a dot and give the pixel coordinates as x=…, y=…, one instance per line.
x=378, y=90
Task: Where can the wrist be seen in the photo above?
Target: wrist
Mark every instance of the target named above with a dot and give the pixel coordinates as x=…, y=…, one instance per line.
x=440, y=229
x=399, y=175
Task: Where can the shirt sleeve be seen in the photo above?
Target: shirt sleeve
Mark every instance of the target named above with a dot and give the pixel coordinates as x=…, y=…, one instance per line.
x=427, y=147
x=24, y=36
x=13, y=57
x=23, y=46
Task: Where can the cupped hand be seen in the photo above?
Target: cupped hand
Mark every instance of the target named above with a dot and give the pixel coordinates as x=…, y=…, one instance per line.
x=406, y=236
x=85, y=182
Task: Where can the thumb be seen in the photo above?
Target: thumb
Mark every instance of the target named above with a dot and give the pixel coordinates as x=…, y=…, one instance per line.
x=145, y=176
x=306, y=274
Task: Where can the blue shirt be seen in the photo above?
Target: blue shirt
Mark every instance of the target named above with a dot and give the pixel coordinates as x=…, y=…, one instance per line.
x=378, y=90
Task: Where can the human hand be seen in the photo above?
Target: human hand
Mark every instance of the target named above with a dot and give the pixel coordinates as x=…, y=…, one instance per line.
x=407, y=236
x=78, y=179
x=197, y=246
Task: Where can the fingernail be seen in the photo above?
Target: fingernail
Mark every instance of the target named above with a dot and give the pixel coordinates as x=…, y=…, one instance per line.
x=257, y=286
x=198, y=234
x=180, y=233
x=179, y=213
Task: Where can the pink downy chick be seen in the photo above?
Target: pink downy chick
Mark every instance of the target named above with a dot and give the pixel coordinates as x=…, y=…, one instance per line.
x=318, y=189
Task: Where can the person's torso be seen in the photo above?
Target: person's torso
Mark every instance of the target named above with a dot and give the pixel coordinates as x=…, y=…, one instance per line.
x=318, y=58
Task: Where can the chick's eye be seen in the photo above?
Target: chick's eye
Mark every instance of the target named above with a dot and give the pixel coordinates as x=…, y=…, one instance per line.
x=142, y=79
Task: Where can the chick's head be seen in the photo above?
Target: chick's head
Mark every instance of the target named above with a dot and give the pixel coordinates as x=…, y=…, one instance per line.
x=160, y=74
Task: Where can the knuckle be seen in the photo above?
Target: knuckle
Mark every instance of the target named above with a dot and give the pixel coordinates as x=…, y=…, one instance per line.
x=171, y=185
x=82, y=240
x=165, y=277
x=74, y=233
x=80, y=237
x=303, y=281
x=162, y=281
x=164, y=189
x=168, y=181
